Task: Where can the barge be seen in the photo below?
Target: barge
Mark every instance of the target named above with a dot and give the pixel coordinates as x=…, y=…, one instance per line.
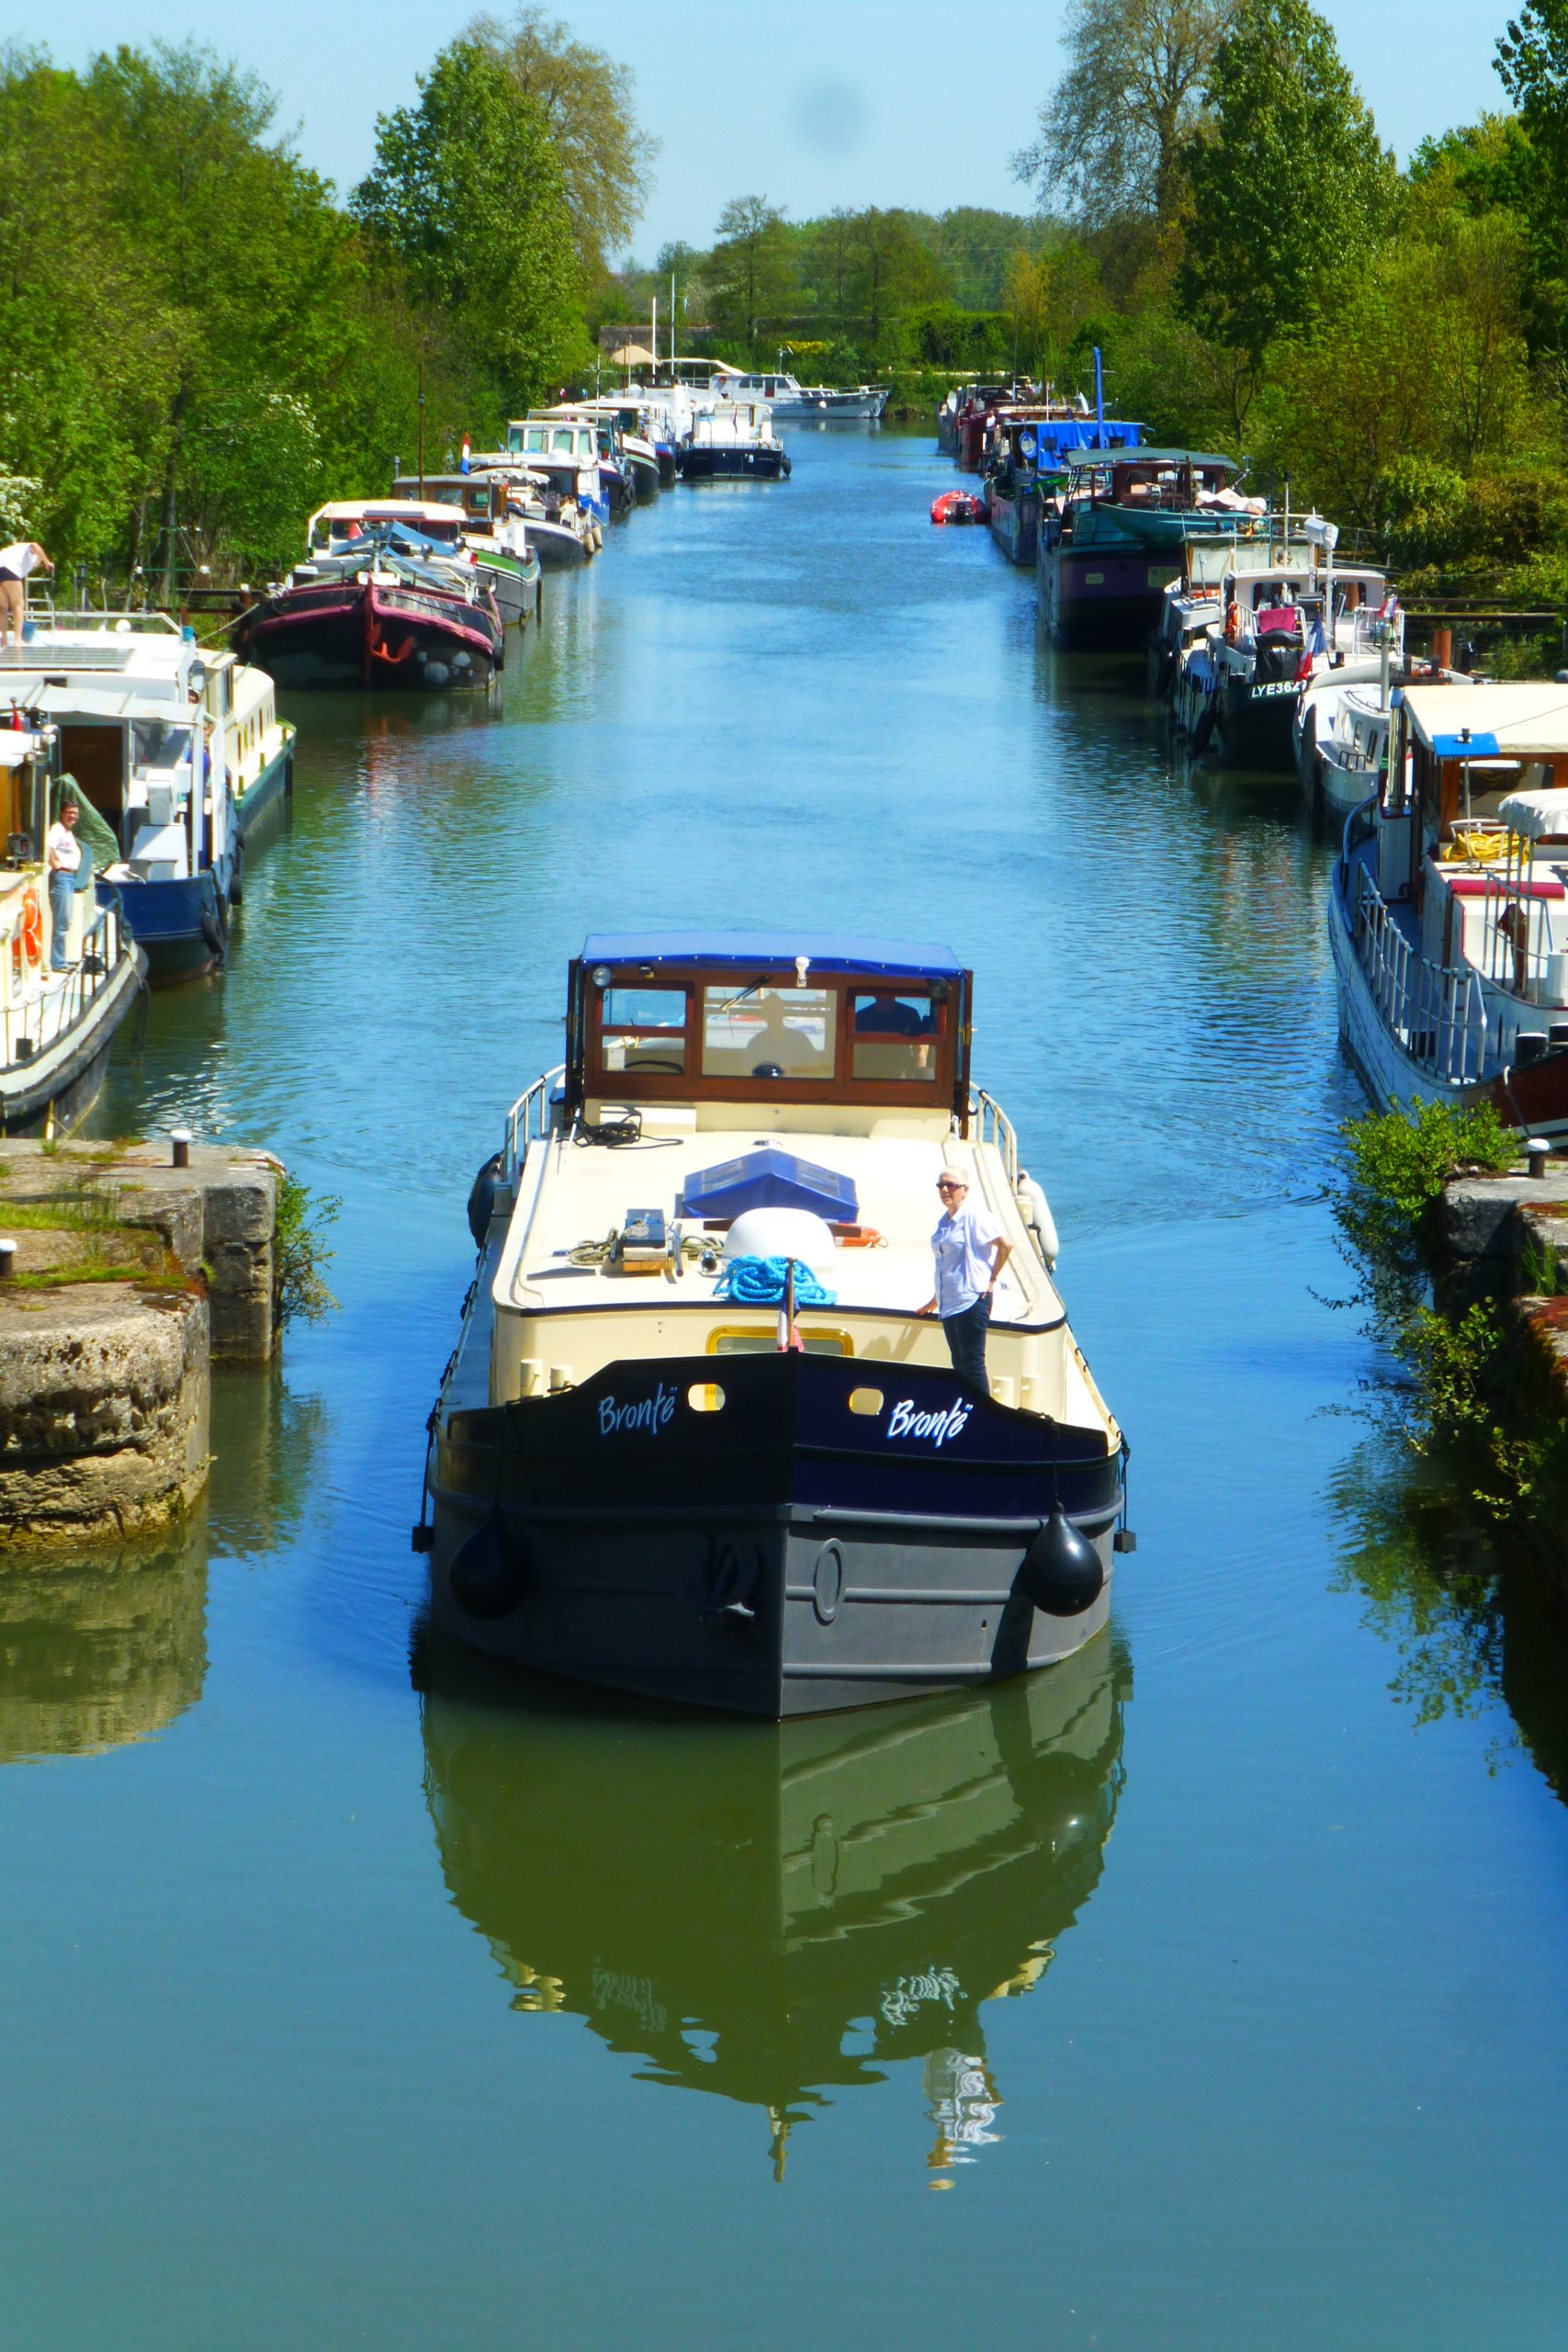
x=699, y=1439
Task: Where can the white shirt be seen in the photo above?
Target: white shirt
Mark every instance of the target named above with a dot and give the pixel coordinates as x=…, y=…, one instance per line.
x=20, y=560
x=65, y=850
x=962, y=1246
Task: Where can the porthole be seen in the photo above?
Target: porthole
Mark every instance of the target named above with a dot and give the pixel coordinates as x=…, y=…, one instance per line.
x=866, y=1400
x=705, y=1396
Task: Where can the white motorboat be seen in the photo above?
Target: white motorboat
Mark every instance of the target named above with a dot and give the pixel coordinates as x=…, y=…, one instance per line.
x=788, y=398
x=697, y=1439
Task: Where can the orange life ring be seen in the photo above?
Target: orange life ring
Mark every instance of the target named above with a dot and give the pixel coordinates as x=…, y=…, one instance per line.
x=32, y=927
x=865, y=1237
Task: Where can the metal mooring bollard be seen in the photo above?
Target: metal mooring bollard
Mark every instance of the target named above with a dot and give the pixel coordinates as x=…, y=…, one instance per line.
x=180, y=1138
x=7, y=1261
x=1540, y=1152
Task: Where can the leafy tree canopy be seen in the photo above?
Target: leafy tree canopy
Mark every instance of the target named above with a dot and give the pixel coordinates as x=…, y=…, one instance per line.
x=1291, y=182
x=1113, y=133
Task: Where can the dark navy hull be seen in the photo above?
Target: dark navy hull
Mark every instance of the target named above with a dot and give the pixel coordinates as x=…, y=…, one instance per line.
x=1103, y=598
x=734, y=465
x=781, y=1556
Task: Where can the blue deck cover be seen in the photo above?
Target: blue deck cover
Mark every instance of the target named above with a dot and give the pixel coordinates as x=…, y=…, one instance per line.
x=771, y=1179
x=1465, y=747
x=747, y=950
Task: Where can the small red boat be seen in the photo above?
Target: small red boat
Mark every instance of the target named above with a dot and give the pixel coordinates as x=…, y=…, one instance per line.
x=958, y=506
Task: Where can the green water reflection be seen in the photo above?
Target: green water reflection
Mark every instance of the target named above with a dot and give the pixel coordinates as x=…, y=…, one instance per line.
x=781, y=1913
x=103, y=1648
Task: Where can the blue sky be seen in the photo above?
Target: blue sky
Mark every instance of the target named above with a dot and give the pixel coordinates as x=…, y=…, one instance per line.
x=812, y=103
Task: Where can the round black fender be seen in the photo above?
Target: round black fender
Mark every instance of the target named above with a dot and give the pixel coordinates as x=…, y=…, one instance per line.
x=237, y=878
x=481, y=1199
x=215, y=928
x=488, y=1574
x=1204, y=730
x=1061, y=1571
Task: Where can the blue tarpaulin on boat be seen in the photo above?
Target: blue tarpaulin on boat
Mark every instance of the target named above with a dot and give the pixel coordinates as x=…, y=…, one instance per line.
x=1466, y=747
x=771, y=1179
x=740, y=950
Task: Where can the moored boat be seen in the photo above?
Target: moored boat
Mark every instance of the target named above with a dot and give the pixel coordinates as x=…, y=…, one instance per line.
x=722, y=1456
x=736, y=442
x=1104, y=569
x=379, y=611
x=490, y=535
x=795, y=401
x=1284, y=625
x=56, y=1028
x=1447, y=917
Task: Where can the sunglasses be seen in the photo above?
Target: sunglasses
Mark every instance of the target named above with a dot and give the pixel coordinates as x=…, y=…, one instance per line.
x=949, y=1185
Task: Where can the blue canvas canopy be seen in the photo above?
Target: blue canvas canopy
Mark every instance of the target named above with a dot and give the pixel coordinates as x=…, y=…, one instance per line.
x=756, y=950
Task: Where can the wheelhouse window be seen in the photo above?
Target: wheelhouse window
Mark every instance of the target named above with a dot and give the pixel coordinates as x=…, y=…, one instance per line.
x=643, y=1029
x=769, y=1033
x=535, y=441
x=894, y=1036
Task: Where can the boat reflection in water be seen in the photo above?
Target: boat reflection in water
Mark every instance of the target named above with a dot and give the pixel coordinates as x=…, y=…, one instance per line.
x=101, y=1650
x=777, y=1913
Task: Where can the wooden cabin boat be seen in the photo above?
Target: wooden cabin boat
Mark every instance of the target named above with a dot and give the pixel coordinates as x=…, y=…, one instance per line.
x=55, y=1027
x=647, y=1472
x=845, y=1893
x=1104, y=571
x=734, y=442
x=491, y=536
x=1448, y=916
x=386, y=598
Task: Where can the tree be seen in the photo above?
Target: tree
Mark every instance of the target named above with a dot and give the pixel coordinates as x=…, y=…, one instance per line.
x=1291, y=183
x=1113, y=131
x=606, y=161
x=893, y=268
x=468, y=194
x=830, y=258
x=752, y=268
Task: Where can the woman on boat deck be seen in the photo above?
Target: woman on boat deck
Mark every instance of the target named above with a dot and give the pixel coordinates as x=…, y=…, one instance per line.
x=16, y=566
x=970, y=1253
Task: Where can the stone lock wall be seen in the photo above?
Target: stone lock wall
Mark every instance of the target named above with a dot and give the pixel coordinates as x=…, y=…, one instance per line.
x=105, y=1384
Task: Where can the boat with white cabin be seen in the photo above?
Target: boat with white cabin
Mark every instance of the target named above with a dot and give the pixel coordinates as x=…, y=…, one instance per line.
x=1447, y=914
x=731, y=442
x=697, y=1440
x=56, y=1028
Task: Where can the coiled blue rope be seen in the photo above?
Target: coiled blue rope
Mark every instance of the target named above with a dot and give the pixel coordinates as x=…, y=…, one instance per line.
x=759, y=1281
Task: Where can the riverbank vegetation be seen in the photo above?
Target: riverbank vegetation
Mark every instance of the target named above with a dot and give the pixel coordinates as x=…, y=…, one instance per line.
x=204, y=339
x=1464, y=1390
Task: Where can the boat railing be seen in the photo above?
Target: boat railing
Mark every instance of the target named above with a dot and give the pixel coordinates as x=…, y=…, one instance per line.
x=103, y=944
x=1517, y=948
x=997, y=1128
x=529, y=1119
x=1437, y=1013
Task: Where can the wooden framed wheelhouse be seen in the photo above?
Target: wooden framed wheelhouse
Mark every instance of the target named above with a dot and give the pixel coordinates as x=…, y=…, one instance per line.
x=768, y=1019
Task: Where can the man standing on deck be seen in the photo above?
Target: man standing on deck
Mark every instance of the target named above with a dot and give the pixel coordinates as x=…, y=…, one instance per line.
x=64, y=869
x=970, y=1253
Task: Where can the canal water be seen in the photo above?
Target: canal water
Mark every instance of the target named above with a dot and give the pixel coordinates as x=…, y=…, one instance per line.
x=1205, y=1994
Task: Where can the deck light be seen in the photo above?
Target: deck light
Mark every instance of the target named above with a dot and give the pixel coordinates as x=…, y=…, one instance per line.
x=602, y=976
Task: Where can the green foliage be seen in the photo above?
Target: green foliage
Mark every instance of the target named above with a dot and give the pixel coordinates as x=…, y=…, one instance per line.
x=299, y=1253
x=1398, y=1163
x=467, y=195
x=1291, y=183
x=751, y=270
x=1113, y=133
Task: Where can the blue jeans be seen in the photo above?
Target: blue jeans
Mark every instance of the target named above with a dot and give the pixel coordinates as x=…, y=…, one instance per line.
x=966, y=1343
x=61, y=895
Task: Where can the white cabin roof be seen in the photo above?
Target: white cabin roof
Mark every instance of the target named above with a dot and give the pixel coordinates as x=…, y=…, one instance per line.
x=1518, y=722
